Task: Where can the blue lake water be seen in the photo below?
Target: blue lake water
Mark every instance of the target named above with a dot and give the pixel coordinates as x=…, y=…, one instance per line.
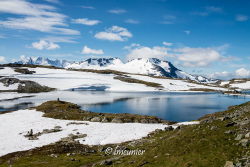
x=168, y=106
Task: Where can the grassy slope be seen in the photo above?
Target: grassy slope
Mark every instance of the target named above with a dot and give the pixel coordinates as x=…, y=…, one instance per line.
x=70, y=111
x=200, y=145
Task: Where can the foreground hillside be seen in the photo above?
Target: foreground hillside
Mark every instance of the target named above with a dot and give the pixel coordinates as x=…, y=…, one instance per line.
x=221, y=139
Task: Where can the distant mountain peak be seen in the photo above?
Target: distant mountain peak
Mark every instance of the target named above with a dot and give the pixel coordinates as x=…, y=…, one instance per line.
x=146, y=66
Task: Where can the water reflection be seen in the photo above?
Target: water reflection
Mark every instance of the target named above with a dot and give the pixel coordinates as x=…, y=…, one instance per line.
x=169, y=106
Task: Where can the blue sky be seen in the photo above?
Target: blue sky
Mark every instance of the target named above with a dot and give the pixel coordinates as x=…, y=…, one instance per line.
x=208, y=37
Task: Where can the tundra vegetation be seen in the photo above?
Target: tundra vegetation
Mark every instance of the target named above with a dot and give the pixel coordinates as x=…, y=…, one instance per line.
x=222, y=138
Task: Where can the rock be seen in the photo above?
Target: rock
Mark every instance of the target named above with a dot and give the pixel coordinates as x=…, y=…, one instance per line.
x=24, y=71
x=57, y=127
x=169, y=128
x=106, y=162
x=238, y=164
x=29, y=133
x=32, y=87
x=223, y=118
x=152, y=121
x=229, y=132
x=127, y=120
x=213, y=128
x=71, y=138
x=144, y=121
x=230, y=124
x=177, y=128
x=239, y=137
x=229, y=164
x=117, y=120
x=136, y=121
x=96, y=119
x=247, y=135
x=245, y=122
x=54, y=155
x=45, y=131
x=9, y=81
x=245, y=142
x=158, y=130
x=104, y=120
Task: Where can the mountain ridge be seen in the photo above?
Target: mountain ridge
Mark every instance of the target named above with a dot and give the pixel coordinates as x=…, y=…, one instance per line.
x=149, y=66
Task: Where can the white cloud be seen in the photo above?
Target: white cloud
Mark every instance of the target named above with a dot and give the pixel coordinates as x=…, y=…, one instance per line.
x=86, y=21
x=221, y=75
x=214, y=9
x=137, y=51
x=167, y=43
x=114, y=33
x=33, y=16
x=53, y=1
x=242, y=73
x=239, y=73
x=87, y=7
x=241, y=18
x=87, y=50
x=186, y=56
x=57, y=39
x=2, y=59
x=132, y=21
x=197, y=57
x=169, y=19
x=45, y=45
x=117, y=11
x=187, y=32
x=209, y=10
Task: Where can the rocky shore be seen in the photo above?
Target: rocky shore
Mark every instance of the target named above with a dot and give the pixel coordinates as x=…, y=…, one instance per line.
x=69, y=111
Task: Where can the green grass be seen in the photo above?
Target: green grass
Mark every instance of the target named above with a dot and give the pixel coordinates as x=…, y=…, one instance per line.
x=132, y=80
x=70, y=111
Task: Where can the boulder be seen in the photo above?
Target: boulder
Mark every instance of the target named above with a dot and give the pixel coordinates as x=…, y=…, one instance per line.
x=169, y=128
x=239, y=137
x=104, y=120
x=117, y=120
x=229, y=164
x=245, y=142
x=247, y=135
x=96, y=119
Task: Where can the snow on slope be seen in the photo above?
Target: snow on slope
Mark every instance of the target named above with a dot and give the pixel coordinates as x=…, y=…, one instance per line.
x=7, y=71
x=63, y=79
x=245, y=85
x=11, y=87
x=16, y=124
x=175, y=85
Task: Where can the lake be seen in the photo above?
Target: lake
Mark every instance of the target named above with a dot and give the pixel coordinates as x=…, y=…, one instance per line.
x=172, y=106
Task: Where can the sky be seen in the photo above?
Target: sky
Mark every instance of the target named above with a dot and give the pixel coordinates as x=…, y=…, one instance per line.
x=209, y=37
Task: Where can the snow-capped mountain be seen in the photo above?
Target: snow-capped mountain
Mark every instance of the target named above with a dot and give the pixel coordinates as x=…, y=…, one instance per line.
x=42, y=61
x=95, y=63
x=149, y=66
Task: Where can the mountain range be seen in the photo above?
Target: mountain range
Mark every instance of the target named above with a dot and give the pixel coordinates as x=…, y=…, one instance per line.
x=149, y=66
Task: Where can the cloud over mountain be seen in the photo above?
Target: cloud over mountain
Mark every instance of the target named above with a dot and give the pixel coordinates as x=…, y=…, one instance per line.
x=45, y=45
x=87, y=50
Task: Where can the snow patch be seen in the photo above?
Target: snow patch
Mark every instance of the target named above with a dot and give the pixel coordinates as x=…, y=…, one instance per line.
x=16, y=124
